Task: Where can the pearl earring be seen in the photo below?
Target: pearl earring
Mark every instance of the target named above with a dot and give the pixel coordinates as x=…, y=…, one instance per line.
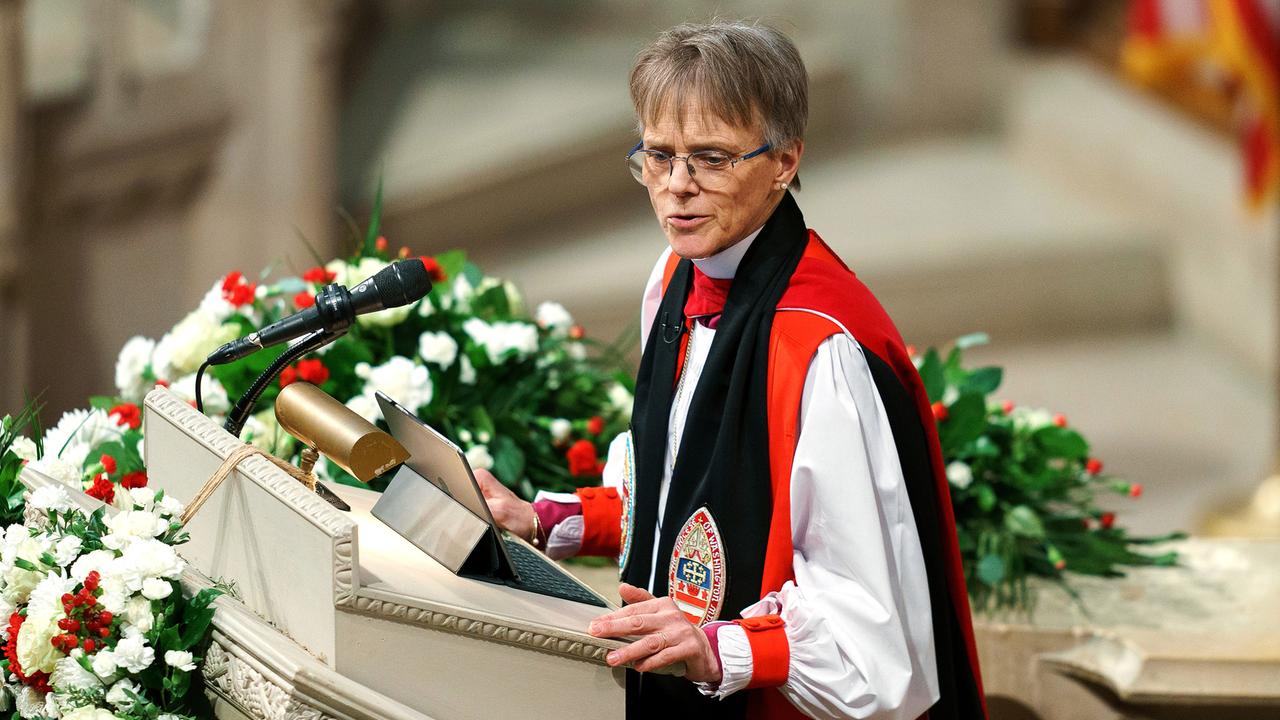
x=782, y=186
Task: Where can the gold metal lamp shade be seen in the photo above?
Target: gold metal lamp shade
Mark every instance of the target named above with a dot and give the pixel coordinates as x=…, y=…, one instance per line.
x=323, y=424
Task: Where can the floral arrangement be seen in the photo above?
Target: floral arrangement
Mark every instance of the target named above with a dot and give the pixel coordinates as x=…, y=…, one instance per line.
x=1024, y=487
x=16, y=450
x=526, y=395
x=96, y=626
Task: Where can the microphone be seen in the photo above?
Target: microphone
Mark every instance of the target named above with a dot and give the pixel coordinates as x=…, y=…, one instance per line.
x=397, y=284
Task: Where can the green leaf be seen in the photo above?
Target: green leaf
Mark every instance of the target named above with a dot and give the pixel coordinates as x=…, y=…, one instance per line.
x=1023, y=521
x=991, y=570
x=986, y=497
x=102, y=402
x=933, y=375
x=197, y=617
x=508, y=460
x=1061, y=442
x=967, y=419
x=964, y=342
x=983, y=381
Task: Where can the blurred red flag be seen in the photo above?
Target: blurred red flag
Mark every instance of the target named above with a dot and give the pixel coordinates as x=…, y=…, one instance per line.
x=1231, y=46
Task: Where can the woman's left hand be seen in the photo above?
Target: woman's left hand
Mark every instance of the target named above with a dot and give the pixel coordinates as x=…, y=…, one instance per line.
x=667, y=636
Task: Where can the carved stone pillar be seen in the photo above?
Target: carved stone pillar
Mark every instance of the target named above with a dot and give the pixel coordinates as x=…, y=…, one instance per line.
x=13, y=314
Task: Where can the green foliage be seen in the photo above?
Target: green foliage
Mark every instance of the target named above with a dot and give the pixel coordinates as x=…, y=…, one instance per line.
x=1024, y=488
x=11, y=489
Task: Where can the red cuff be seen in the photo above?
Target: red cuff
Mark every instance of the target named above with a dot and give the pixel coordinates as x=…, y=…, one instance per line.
x=601, y=521
x=770, y=650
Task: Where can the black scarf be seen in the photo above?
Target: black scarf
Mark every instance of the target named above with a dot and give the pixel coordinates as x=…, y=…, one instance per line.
x=723, y=459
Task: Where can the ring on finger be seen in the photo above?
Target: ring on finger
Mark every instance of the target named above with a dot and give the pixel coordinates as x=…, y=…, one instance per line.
x=665, y=641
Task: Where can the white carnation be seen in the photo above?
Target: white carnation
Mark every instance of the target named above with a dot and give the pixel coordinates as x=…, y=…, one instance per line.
x=183, y=348
x=467, y=373
x=514, y=301
x=69, y=675
x=67, y=550
x=959, y=474
x=503, y=340
x=560, y=429
x=156, y=589
x=30, y=703
x=180, y=659
x=131, y=364
x=554, y=317
x=24, y=447
x=399, y=378
x=366, y=407
x=479, y=458
x=129, y=525
x=438, y=347
x=577, y=351
x=138, y=615
x=89, y=712
x=144, y=498
x=60, y=470
x=142, y=559
x=50, y=497
x=104, y=664
x=133, y=654
x=215, y=305
x=461, y=294
x=212, y=393
x=170, y=507
x=620, y=398
x=46, y=598
x=89, y=562
x=119, y=693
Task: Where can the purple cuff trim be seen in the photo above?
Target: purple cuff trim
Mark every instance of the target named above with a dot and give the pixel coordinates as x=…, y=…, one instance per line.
x=712, y=631
x=552, y=513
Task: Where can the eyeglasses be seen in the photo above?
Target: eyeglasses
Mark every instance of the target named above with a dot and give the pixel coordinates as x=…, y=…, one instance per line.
x=709, y=168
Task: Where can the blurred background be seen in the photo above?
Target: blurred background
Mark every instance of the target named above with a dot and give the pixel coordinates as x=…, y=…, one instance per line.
x=1071, y=176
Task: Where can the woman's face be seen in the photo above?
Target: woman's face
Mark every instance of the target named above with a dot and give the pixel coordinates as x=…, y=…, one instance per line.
x=700, y=222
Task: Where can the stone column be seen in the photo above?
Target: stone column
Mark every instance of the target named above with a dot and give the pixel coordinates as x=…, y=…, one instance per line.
x=14, y=331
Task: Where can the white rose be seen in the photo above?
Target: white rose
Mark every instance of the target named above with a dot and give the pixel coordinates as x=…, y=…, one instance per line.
x=50, y=497
x=400, y=379
x=212, y=393
x=24, y=447
x=35, y=652
x=119, y=693
x=183, y=348
x=137, y=614
x=180, y=659
x=156, y=589
x=554, y=317
x=959, y=474
x=133, y=654
x=130, y=366
x=67, y=550
x=479, y=457
x=439, y=348
x=64, y=472
x=560, y=429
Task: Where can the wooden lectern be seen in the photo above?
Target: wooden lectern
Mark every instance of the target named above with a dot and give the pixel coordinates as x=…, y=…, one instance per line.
x=339, y=616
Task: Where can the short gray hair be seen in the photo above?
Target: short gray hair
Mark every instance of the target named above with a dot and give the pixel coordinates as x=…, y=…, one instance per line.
x=748, y=74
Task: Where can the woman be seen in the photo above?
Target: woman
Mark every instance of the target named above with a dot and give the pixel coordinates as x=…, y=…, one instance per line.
x=779, y=507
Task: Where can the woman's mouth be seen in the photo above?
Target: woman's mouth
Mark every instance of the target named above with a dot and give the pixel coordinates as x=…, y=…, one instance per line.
x=686, y=221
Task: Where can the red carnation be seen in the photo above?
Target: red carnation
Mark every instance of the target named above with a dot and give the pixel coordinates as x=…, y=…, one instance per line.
x=1093, y=467
x=319, y=275
x=940, y=412
x=313, y=371
x=595, y=425
x=108, y=464
x=233, y=278
x=236, y=290
x=103, y=489
x=1107, y=520
x=304, y=300
x=582, y=458
x=434, y=270
x=38, y=679
x=288, y=376
x=135, y=479
x=127, y=414
x=1060, y=420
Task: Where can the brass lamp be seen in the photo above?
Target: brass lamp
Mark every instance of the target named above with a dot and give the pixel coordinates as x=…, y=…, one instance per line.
x=326, y=426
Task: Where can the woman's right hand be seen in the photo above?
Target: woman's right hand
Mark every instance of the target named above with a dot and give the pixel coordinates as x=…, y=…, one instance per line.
x=509, y=511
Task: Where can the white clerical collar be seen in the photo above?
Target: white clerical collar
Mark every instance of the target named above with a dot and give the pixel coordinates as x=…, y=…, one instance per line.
x=724, y=264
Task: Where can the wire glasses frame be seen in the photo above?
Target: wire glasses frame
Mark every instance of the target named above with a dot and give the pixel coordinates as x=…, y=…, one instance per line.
x=708, y=168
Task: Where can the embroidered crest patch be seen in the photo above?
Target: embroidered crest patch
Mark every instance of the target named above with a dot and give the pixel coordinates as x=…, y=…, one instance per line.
x=696, y=578
x=628, y=499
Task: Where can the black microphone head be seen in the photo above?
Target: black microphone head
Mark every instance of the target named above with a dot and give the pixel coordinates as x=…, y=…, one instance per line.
x=401, y=283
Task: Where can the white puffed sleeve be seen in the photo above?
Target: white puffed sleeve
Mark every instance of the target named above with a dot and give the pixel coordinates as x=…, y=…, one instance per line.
x=857, y=617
